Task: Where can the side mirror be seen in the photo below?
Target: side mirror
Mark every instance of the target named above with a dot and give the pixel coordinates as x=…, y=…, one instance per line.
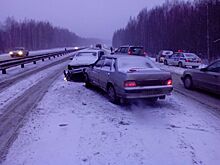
x=203, y=69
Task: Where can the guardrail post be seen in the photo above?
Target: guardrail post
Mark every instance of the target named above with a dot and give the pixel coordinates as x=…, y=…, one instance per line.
x=42, y=59
x=34, y=62
x=49, y=58
x=54, y=56
x=22, y=65
x=3, y=71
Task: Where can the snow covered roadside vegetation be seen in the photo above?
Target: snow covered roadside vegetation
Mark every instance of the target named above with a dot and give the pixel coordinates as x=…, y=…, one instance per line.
x=76, y=125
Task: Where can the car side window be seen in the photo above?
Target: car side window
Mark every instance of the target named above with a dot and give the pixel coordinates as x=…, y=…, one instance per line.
x=101, y=53
x=99, y=63
x=214, y=67
x=107, y=64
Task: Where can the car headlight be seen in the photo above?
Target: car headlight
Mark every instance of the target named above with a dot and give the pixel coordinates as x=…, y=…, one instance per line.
x=10, y=53
x=20, y=52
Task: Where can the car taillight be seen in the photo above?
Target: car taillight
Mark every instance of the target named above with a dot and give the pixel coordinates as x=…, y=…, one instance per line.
x=169, y=82
x=130, y=84
x=187, y=60
x=129, y=52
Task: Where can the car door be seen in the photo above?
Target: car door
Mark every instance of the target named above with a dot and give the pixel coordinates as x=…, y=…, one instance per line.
x=171, y=59
x=105, y=73
x=210, y=79
x=95, y=71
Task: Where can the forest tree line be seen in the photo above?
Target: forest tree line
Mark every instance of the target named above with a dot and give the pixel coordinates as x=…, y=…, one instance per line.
x=191, y=26
x=35, y=35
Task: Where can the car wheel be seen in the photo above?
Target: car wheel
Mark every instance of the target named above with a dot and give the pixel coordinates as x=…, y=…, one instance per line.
x=112, y=95
x=165, y=62
x=188, y=83
x=87, y=81
x=180, y=64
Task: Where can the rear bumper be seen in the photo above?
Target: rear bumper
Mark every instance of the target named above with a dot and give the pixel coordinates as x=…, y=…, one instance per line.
x=146, y=92
x=192, y=64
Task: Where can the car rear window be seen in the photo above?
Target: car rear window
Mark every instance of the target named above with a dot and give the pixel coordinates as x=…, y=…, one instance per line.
x=92, y=54
x=190, y=55
x=138, y=63
x=137, y=50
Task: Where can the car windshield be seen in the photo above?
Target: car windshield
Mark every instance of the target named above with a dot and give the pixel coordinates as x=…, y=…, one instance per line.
x=190, y=55
x=134, y=63
x=18, y=48
x=86, y=54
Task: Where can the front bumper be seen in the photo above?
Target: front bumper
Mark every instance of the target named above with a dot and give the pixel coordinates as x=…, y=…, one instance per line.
x=147, y=92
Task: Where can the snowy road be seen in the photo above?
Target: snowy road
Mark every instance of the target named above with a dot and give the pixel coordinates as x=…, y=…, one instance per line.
x=76, y=125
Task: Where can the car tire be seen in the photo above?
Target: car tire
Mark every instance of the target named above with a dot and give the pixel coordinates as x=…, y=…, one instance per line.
x=87, y=81
x=180, y=64
x=112, y=95
x=188, y=83
x=165, y=62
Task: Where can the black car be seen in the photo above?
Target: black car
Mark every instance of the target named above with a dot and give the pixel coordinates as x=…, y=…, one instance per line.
x=206, y=78
x=131, y=50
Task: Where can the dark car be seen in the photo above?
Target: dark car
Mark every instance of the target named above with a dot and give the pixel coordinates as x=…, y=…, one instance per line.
x=80, y=61
x=129, y=77
x=131, y=50
x=206, y=78
x=98, y=46
x=19, y=52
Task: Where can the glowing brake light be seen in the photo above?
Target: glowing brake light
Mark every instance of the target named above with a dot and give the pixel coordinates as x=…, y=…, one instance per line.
x=187, y=60
x=129, y=52
x=169, y=82
x=130, y=84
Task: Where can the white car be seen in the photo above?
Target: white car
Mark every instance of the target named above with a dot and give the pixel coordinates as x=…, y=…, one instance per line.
x=80, y=61
x=19, y=52
x=183, y=60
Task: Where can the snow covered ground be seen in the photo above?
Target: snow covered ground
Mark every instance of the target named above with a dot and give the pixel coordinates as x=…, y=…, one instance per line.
x=76, y=125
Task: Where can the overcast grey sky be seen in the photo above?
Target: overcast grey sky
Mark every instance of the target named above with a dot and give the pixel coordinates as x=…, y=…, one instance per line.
x=87, y=18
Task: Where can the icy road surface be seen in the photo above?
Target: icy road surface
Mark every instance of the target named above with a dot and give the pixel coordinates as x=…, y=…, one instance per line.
x=75, y=125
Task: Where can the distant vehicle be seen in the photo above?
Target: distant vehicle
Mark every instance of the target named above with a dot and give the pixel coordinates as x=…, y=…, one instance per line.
x=183, y=60
x=206, y=78
x=162, y=55
x=98, y=46
x=131, y=50
x=80, y=61
x=129, y=77
x=19, y=52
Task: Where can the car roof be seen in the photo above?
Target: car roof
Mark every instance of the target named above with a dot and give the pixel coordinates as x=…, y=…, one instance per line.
x=130, y=46
x=89, y=50
x=118, y=56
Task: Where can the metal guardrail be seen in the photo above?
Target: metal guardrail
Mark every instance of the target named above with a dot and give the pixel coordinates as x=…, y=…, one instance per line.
x=21, y=61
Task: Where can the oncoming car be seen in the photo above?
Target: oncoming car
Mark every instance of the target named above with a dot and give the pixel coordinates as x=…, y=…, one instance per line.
x=129, y=77
x=80, y=61
x=183, y=60
x=19, y=52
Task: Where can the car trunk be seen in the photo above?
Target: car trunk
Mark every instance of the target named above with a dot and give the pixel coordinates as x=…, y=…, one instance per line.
x=150, y=77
